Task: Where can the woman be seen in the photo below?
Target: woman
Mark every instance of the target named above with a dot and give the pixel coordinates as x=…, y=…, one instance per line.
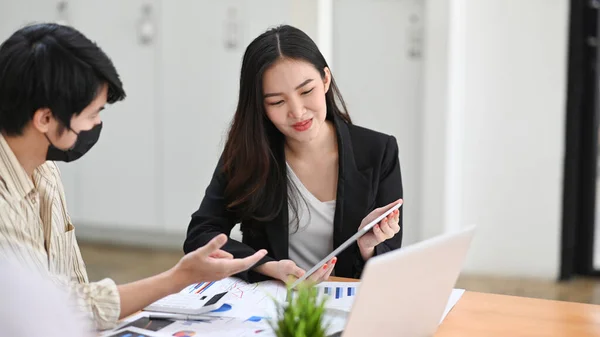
x=295, y=172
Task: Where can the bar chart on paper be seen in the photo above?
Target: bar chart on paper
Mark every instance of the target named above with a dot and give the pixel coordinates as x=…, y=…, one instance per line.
x=340, y=294
x=197, y=288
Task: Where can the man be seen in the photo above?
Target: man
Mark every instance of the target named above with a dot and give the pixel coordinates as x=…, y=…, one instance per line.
x=53, y=84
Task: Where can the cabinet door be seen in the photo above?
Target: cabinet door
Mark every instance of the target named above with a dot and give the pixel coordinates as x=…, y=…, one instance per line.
x=118, y=177
x=379, y=72
x=204, y=42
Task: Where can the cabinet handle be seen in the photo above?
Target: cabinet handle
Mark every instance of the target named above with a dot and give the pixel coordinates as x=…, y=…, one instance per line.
x=62, y=13
x=146, y=29
x=232, y=29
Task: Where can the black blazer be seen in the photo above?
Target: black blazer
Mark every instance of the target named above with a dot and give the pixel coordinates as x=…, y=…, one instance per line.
x=369, y=177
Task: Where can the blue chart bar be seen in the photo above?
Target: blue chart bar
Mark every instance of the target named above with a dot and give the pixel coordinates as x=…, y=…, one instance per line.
x=339, y=292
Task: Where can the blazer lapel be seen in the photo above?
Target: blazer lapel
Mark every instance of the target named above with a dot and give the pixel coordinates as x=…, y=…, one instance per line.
x=354, y=186
x=277, y=230
x=278, y=235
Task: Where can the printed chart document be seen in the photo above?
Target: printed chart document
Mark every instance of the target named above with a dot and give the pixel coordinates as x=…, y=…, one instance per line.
x=246, y=311
x=248, y=301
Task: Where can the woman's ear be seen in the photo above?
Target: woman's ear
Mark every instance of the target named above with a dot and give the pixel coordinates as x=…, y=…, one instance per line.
x=327, y=79
x=42, y=118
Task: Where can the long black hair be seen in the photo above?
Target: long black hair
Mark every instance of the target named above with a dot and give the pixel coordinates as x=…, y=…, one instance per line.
x=254, y=158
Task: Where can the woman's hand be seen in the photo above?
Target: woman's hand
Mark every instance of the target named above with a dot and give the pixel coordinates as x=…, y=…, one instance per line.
x=386, y=229
x=284, y=270
x=287, y=271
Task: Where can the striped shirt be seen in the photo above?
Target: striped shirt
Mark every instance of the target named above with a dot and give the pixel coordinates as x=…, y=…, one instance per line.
x=36, y=231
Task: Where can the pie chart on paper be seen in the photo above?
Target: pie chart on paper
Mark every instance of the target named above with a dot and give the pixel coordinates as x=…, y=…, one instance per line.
x=184, y=334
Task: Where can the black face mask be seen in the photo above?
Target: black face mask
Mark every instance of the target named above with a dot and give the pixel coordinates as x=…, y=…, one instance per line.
x=85, y=141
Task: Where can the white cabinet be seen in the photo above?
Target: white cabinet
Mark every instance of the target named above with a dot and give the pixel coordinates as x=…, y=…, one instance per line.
x=117, y=185
x=204, y=42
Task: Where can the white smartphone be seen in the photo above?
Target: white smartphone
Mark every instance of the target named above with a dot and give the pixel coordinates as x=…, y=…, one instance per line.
x=347, y=243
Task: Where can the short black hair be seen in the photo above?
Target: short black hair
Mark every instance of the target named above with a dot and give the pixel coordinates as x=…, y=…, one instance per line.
x=48, y=65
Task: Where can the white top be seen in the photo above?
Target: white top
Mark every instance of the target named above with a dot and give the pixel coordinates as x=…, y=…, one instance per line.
x=313, y=240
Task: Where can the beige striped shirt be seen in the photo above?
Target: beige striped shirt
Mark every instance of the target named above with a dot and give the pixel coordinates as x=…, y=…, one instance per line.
x=36, y=231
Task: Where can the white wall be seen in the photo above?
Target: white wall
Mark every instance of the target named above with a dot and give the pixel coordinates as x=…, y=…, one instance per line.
x=380, y=78
x=511, y=130
x=435, y=110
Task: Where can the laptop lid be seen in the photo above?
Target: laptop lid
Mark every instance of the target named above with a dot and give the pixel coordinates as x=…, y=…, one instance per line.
x=405, y=292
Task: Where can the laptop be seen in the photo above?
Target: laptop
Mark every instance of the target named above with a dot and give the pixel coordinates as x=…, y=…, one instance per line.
x=405, y=292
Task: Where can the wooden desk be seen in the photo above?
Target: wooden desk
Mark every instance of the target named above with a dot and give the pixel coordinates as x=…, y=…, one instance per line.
x=490, y=315
x=480, y=314
x=341, y=279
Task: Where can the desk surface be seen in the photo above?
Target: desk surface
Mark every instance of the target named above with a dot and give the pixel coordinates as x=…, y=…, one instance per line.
x=490, y=315
x=480, y=314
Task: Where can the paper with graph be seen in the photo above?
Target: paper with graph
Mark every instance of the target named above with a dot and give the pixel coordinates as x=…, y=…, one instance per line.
x=340, y=295
x=255, y=301
x=248, y=301
x=247, y=309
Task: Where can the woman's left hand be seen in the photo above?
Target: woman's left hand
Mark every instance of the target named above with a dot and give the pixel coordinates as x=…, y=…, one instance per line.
x=386, y=229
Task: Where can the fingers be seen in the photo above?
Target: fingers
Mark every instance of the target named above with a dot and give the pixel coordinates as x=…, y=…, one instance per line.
x=390, y=205
x=318, y=275
x=329, y=270
x=395, y=222
x=289, y=268
x=297, y=272
x=386, y=228
x=379, y=211
x=379, y=234
x=221, y=254
x=389, y=227
x=235, y=266
x=213, y=245
x=323, y=273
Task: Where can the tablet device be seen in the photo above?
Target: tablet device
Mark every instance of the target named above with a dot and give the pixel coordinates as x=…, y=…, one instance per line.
x=347, y=243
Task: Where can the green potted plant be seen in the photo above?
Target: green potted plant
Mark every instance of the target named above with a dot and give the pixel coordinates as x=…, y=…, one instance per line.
x=302, y=315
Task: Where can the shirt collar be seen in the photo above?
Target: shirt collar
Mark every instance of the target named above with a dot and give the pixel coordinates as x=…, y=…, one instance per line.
x=12, y=173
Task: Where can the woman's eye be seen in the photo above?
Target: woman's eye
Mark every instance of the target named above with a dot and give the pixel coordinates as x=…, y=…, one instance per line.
x=276, y=103
x=308, y=92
